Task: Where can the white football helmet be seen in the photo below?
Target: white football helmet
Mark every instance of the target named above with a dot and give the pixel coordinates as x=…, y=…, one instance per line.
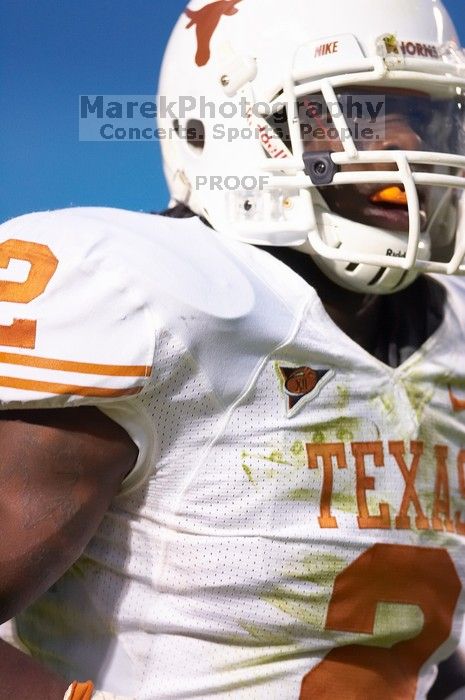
x=235, y=76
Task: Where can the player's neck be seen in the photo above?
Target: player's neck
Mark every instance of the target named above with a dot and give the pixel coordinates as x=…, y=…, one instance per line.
x=357, y=315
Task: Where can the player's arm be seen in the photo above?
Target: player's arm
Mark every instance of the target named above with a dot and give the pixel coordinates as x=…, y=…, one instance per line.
x=59, y=470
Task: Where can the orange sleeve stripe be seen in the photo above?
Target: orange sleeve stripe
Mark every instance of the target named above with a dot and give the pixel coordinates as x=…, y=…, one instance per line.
x=13, y=358
x=81, y=691
x=54, y=388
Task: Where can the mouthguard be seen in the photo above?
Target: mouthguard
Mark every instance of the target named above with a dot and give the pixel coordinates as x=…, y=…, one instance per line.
x=390, y=195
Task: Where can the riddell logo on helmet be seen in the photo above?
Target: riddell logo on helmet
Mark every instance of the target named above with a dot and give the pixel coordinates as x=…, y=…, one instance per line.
x=206, y=21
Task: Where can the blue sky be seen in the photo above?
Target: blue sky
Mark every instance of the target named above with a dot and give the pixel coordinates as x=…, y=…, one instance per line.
x=51, y=51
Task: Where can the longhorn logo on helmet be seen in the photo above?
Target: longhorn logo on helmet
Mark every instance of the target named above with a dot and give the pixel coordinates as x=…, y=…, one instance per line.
x=206, y=21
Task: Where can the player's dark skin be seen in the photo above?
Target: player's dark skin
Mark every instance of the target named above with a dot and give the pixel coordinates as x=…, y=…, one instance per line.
x=357, y=315
x=60, y=470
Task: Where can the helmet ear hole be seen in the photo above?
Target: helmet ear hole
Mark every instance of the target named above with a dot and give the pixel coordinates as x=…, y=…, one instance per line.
x=195, y=135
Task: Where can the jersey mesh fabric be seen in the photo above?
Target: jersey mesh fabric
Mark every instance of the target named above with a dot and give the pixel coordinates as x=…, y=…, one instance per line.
x=215, y=576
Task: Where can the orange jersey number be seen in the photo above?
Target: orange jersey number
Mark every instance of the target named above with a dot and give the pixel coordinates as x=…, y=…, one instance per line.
x=400, y=574
x=22, y=332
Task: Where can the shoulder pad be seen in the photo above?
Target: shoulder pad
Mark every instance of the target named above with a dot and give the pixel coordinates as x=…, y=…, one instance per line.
x=74, y=327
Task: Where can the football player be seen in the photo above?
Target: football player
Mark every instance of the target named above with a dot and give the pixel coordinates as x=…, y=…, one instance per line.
x=233, y=437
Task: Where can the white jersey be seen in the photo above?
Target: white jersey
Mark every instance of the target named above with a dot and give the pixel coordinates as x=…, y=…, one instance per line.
x=294, y=526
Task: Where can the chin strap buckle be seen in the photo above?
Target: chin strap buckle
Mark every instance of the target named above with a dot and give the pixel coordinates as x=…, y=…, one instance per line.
x=319, y=167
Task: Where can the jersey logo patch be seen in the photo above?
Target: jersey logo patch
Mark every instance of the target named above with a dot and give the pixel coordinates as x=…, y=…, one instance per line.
x=301, y=384
x=206, y=21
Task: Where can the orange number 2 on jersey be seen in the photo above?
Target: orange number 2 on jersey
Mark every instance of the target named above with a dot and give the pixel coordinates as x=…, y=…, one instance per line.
x=398, y=574
x=22, y=332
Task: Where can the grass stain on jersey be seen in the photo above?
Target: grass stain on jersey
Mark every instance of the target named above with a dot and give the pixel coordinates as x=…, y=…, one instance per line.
x=340, y=429
x=276, y=457
x=344, y=503
x=281, y=642
x=319, y=437
x=343, y=397
x=303, y=495
x=318, y=570
x=266, y=636
x=446, y=378
x=297, y=448
x=248, y=472
x=388, y=402
x=419, y=397
x=290, y=651
x=309, y=609
x=344, y=435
